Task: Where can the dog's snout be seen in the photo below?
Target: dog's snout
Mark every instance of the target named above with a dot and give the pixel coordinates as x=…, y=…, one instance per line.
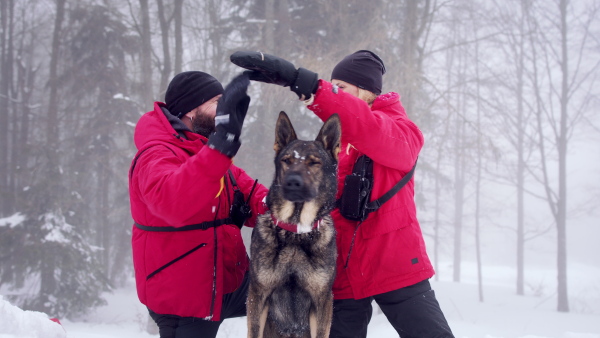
x=294, y=182
x=296, y=189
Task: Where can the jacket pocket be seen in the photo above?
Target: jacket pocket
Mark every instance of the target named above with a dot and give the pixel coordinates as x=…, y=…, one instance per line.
x=382, y=223
x=174, y=260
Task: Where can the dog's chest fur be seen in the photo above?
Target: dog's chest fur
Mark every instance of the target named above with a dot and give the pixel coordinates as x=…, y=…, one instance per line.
x=282, y=253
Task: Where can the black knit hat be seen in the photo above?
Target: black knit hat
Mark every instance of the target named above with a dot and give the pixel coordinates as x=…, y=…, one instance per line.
x=189, y=90
x=363, y=69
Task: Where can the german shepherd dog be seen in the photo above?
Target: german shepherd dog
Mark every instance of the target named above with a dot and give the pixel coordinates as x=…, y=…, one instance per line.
x=293, y=250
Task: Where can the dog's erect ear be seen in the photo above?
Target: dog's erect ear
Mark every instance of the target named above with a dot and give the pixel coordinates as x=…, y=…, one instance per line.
x=330, y=135
x=284, y=132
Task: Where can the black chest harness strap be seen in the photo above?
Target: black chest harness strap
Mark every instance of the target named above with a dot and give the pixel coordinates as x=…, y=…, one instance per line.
x=354, y=203
x=376, y=204
x=199, y=226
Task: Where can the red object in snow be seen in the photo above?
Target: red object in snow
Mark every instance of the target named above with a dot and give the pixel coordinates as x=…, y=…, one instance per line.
x=55, y=320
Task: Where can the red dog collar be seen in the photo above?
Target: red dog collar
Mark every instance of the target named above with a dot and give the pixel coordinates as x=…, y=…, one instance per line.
x=291, y=227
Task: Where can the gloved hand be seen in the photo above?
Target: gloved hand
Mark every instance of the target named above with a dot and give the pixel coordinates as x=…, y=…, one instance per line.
x=231, y=111
x=272, y=69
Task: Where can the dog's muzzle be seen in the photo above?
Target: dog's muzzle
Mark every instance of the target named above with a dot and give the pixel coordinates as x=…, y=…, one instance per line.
x=295, y=189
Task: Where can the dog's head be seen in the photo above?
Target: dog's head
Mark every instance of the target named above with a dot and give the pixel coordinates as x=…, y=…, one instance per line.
x=305, y=180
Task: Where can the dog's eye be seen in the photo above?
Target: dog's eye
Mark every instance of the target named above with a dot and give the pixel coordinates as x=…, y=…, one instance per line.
x=313, y=163
x=287, y=160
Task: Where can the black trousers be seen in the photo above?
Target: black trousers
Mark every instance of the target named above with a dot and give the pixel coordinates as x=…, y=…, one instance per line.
x=234, y=305
x=413, y=311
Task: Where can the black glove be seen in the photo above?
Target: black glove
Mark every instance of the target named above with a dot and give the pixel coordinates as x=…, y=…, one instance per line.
x=231, y=111
x=272, y=69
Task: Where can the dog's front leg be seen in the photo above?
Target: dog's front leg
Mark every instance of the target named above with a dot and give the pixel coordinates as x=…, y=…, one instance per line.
x=257, y=311
x=312, y=320
x=263, y=321
x=320, y=319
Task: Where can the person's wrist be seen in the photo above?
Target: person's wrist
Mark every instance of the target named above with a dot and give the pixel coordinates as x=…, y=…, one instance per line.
x=310, y=100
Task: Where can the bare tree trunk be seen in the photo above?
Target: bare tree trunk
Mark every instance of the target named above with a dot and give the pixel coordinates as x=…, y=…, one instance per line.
x=451, y=113
x=270, y=24
x=6, y=79
x=436, y=223
x=52, y=130
x=479, y=157
x=52, y=145
x=177, y=14
x=459, y=163
x=102, y=205
x=414, y=25
x=48, y=281
x=409, y=44
x=520, y=174
x=459, y=187
x=283, y=31
x=561, y=221
x=214, y=50
x=557, y=200
x=146, y=57
x=165, y=23
x=269, y=97
x=478, y=208
x=20, y=154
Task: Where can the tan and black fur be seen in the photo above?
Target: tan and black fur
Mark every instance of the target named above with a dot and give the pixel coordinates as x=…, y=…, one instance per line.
x=291, y=274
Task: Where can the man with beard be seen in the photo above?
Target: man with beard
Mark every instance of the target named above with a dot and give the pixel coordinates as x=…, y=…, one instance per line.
x=186, y=196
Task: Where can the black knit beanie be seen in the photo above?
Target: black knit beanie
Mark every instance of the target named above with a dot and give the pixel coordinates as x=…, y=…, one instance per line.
x=363, y=69
x=189, y=90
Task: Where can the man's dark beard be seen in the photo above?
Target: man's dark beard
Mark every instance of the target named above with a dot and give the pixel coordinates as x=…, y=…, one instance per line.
x=203, y=125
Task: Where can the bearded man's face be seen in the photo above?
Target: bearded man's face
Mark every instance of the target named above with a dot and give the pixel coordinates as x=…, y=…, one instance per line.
x=203, y=122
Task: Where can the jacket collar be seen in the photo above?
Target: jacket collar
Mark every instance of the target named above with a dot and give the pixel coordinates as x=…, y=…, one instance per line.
x=293, y=227
x=385, y=100
x=159, y=125
x=176, y=123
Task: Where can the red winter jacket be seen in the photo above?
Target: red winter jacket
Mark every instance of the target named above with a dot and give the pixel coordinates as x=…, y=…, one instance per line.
x=176, y=182
x=389, y=250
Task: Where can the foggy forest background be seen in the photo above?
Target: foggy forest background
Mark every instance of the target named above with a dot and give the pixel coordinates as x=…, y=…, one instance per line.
x=504, y=91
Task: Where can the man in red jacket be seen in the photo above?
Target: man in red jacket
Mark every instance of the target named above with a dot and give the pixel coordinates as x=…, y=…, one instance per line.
x=189, y=258
x=383, y=257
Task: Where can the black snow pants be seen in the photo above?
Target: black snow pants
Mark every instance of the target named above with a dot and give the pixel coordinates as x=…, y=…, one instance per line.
x=234, y=305
x=413, y=311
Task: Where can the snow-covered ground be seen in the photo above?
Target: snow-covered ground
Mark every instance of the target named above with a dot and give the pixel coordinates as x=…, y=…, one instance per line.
x=501, y=315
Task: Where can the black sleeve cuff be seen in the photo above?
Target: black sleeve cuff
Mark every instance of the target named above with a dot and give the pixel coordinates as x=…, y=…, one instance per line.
x=225, y=143
x=306, y=83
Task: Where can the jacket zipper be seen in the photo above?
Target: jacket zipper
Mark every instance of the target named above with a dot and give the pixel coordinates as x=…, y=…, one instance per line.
x=216, y=242
x=214, y=290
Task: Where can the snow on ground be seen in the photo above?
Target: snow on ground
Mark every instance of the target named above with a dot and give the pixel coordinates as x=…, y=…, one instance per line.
x=502, y=314
x=15, y=322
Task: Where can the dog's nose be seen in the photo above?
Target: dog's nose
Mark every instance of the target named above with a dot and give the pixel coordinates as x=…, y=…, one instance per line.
x=296, y=189
x=293, y=182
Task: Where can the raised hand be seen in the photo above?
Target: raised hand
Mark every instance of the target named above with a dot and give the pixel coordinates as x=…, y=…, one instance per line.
x=272, y=69
x=231, y=112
